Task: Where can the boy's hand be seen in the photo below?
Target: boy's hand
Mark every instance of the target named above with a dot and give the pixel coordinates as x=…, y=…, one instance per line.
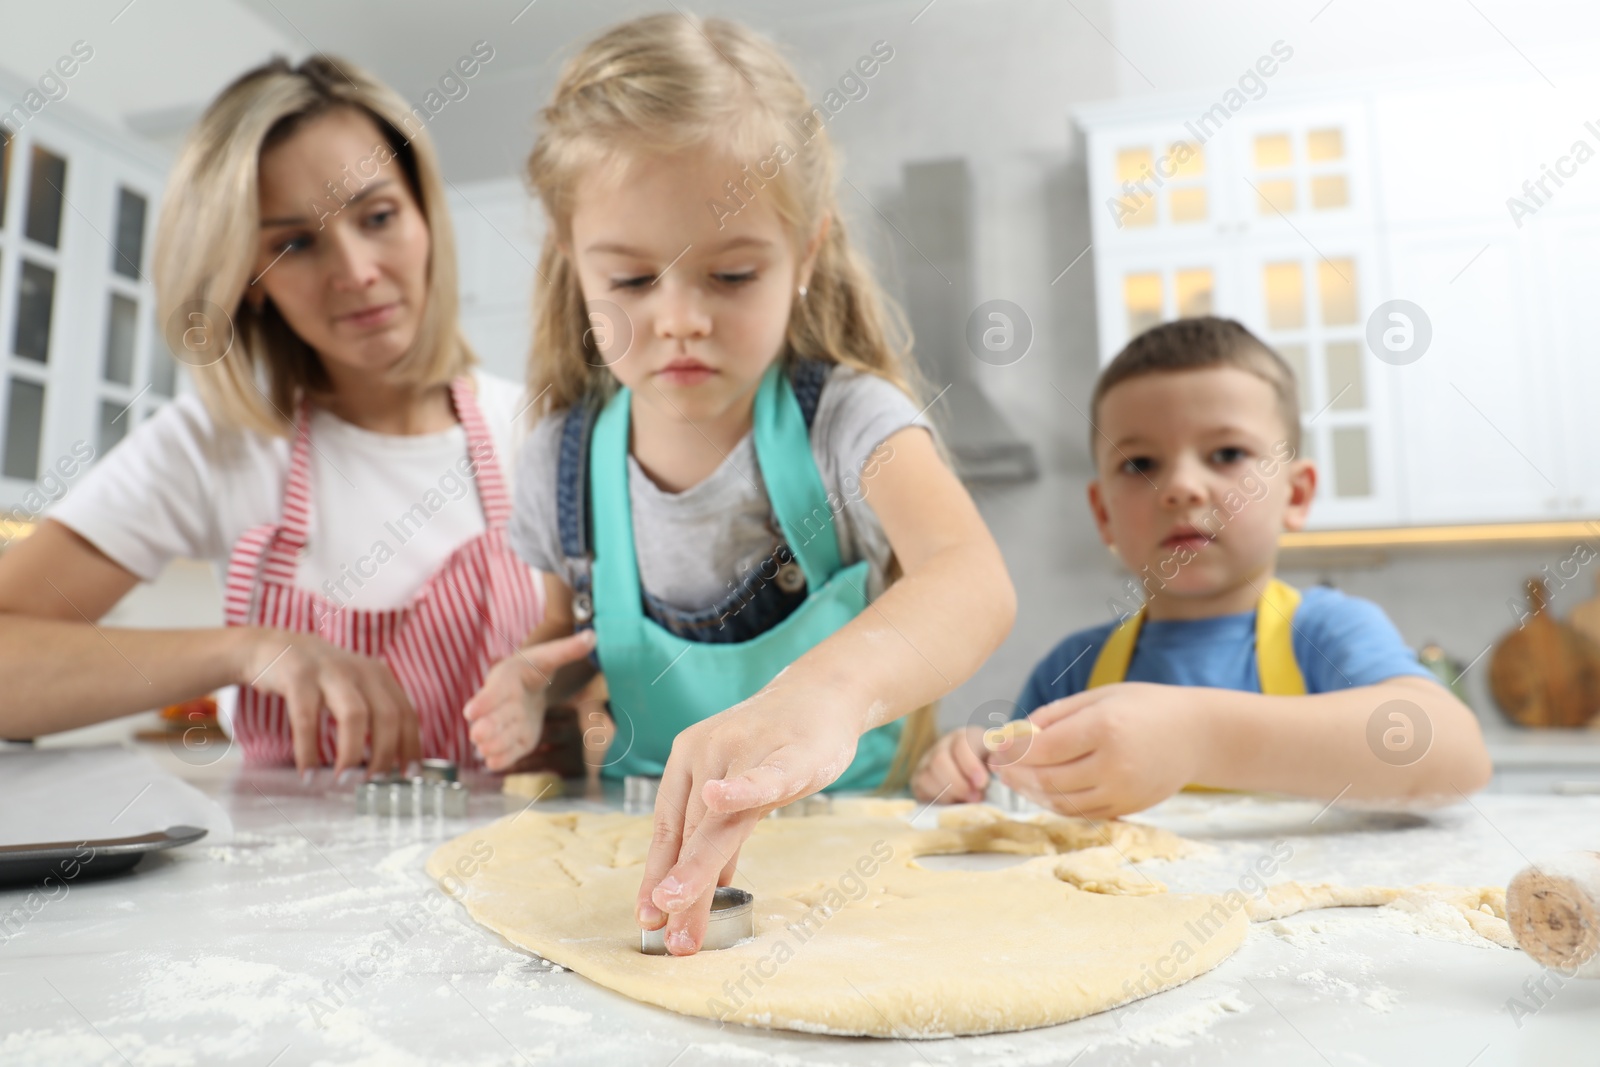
x=954, y=770
x=507, y=713
x=1107, y=751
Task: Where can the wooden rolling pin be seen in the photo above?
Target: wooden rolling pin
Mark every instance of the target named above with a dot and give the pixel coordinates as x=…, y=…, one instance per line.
x=1554, y=911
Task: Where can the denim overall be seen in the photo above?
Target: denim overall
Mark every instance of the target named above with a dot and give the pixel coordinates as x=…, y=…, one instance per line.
x=667, y=669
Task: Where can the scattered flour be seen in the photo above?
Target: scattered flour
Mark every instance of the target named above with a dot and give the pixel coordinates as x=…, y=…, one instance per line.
x=516, y=975
x=1180, y=1029
x=1379, y=997
x=1382, y=1000
x=559, y=1014
x=1326, y=983
x=261, y=850
x=1435, y=919
x=726, y=1050
x=403, y=859
x=1303, y=935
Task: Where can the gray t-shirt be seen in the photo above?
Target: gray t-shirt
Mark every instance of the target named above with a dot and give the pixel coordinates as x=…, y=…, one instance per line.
x=694, y=546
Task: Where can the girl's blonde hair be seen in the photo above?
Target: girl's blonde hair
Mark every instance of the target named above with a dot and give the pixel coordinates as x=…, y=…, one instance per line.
x=669, y=83
x=251, y=369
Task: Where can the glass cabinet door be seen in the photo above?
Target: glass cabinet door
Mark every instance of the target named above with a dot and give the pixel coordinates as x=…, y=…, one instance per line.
x=1312, y=308
x=32, y=264
x=81, y=360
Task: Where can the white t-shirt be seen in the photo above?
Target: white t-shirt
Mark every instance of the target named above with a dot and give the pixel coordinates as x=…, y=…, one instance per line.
x=180, y=486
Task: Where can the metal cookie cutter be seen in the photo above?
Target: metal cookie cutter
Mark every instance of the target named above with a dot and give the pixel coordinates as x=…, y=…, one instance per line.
x=1005, y=798
x=439, y=770
x=392, y=795
x=733, y=918
x=639, y=794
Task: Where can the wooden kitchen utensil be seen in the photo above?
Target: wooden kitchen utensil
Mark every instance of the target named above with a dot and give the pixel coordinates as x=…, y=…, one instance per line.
x=1586, y=615
x=1546, y=672
x=1553, y=908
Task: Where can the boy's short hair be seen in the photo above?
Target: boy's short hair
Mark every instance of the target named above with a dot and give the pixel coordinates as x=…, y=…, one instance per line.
x=1200, y=344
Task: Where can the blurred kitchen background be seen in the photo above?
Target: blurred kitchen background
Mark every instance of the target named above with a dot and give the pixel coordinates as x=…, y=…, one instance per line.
x=1313, y=161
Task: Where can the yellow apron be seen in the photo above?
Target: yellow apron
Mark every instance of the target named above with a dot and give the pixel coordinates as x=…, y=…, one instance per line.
x=1275, y=663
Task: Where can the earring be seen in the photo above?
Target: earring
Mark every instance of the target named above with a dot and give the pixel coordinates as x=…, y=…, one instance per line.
x=802, y=292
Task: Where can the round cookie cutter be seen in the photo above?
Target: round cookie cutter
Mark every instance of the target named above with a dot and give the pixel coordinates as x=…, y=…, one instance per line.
x=639, y=794
x=733, y=918
x=438, y=770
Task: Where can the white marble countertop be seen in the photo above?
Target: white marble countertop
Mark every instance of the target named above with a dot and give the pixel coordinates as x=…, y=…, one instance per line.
x=233, y=951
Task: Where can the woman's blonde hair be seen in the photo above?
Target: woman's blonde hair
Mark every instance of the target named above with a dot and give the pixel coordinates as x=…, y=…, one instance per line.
x=251, y=368
x=668, y=83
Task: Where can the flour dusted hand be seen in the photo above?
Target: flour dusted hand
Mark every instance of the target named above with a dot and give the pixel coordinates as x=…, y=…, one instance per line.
x=726, y=773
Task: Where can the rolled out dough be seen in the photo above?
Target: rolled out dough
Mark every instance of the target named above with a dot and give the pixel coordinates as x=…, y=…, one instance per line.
x=852, y=936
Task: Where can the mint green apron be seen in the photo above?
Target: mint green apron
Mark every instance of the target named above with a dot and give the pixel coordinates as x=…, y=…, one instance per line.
x=660, y=683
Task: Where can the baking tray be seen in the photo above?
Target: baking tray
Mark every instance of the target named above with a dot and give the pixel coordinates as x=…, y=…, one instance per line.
x=69, y=861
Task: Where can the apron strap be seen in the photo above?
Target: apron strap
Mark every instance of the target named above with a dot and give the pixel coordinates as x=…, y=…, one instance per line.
x=794, y=485
x=794, y=488
x=1275, y=663
x=806, y=376
x=293, y=530
x=481, y=452
x=285, y=549
x=1111, y=665
x=616, y=565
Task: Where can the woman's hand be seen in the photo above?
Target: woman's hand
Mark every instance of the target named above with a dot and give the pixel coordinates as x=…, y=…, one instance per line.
x=1107, y=751
x=507, y=713
x=724, y=774
x=360, y=692
x=954, y=770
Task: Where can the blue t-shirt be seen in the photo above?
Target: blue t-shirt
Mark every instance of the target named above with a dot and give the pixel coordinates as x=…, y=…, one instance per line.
x=1340, y=642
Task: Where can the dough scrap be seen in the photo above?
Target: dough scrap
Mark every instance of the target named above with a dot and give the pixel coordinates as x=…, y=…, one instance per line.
x=1483, y=907
x=537, y=785
x=852, y=935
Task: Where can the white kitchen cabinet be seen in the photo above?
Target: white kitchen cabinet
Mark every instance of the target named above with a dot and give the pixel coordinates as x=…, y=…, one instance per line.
x=1397, y=191
x=1568, y=271
x=1477, y=414
x=1311, y=306
x=81, y=359
x=1285, y=245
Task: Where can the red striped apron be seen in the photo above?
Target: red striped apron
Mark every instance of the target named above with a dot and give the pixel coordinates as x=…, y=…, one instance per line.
x=475, y=610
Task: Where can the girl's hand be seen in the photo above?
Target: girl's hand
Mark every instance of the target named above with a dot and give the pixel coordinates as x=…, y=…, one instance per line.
x=724, y=774
x=1107, y=751
x=954, y=770
x=507, y=713
x=360, y=692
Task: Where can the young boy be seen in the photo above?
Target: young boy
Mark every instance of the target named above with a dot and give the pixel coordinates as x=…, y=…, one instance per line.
x=1226, y=677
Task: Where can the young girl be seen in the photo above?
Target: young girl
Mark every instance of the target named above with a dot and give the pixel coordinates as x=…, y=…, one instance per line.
x=732, y=486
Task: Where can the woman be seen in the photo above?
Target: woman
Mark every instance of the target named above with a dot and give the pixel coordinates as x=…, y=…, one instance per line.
x=343, y=461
